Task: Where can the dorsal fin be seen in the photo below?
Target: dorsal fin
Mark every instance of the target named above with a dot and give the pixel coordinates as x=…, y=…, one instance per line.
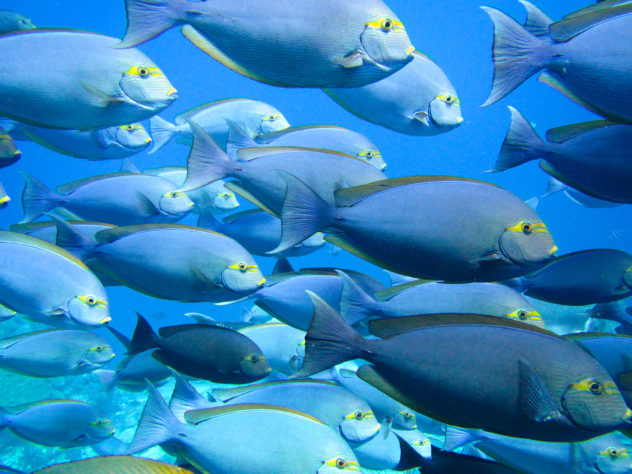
x=169, y=331
x=9, y=341
x=252, y=153
x=600, y=5
x=572, y=26
x=110, y=235
x=561, y=134
x=227, y=394
x=394, y=326
x=74, y=185
x=233, y=217
x=351, y=196
x=244, y=193
x=198, y=416
x=389, y=293
x=41, y=244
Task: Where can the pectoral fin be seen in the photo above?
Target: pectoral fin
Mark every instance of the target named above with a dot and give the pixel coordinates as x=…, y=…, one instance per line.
x=536, y=402
x=353, y=59
x=105, y=98
x=421, y=116
x=146, y=206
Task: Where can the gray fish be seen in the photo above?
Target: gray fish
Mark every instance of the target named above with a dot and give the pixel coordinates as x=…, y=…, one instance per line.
x=118, y=198
x=88, y=84
x=257, y=172
x=445, y=462
x=168, y=261
x=416, y=100
x=422, y=221
x=582, y=278
x=592, y=157
x=212, y=353
x=9, y=153
x=279, y=342
x=14, y=21
x=114, y=465
x=354, y=44
x=112, y=143
x=242, y=439
x=61, y=423
x=253, y=117
x=325, y=137
x=67, y=292
x=585, y=57
x=576, y=196
x=259, y=232
x=421, y=297
x=502, y=376
x=54, y=353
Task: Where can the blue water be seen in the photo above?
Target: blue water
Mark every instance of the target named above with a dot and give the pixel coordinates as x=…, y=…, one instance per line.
x=457, y=34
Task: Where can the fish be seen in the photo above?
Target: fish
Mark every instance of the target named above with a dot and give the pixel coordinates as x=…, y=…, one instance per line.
x=9, y=153
x=417, y=100
x=172, y=261
x=576, y=196
x=117, y=198
x=213, y=198
x=4, y=197
x=254, y=117
x=582, y=278
x=127, y=87
x=112, y=143
x=607, y=453
x=14, y=21
x=60, y=423
x=443, y=462
x=257, y=172
x=592, y=157
x=54, y=353
x=421, y=297
x=211, y=353
x=584, y=57
x=114, y=465
x=68, y=294
x=537, y=385
x=324, y=137
x=351, y=44
x=259, y=232
x=422, y=222
x=245, y=438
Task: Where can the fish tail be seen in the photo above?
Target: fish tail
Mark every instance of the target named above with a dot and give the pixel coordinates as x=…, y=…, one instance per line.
x=185, y=398
x=36, y=198
x=304, y=213
x=73, y=240
x=329, y=340
x=157, y=424
x=517, y=55
x=355, y=304
x=282, y=265
x=110, y=447
x=161, y=132
x=554, y=186
x=537, y=23
x=206, y=162
x=107, y=379
x=457, y=437
x=144, y=337
x=146, y=19
x=522, y=144
x=519, y=284
x=237, y=139
x=207, y=220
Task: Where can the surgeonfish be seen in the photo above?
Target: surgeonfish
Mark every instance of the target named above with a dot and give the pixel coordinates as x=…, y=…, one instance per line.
x=420, y=220
x=585, y=57
x=576, y=196
x=416, y=100
x=88, y=84
x=352, y=43
x=14, y=21
x=254, y=117
x=67, y=293
x=246, y=438
x=212, y=353
x=61, y=423
x=114, y=465
x=54, y=353
x=117, y=198
x=581, y=278
x=537, y=385
x=172, y=262
x=9, y=153
x=593, y=157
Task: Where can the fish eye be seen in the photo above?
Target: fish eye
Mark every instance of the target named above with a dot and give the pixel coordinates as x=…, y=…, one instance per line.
x=405, y=414
x=341, y=463
x=449, y=99
x=129, y=127
x=242, y=267
x=254, y=359
x=142, y=72
x=358, y=415
x=613, y=452
x=387, y=24
x=527, y=228
x=91, y=300
x=596, y=388
x=522, y=315
x=173, y=194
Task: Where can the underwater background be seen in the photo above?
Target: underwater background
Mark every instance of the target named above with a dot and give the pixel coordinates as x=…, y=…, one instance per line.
x=456, y=34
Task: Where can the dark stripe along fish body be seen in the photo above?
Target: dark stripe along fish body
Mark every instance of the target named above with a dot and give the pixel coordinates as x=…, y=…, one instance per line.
x=504, y=377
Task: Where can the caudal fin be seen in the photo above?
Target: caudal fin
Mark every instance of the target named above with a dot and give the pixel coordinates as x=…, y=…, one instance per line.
x=537, y=22
x=355, y=304
x=72, y=239
x=107, y=379
x=522, y=144
x=206, y=162
x=161, y=132
x=329, y=340
x=185, y=397
x=36, y=198
x=304, y=213
x=157, y=424
x=146, y=19
x=517, y=55
x=237, y=139
x=144, y=337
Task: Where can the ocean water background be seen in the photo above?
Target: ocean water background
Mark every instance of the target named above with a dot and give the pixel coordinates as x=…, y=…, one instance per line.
x=456, y=34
